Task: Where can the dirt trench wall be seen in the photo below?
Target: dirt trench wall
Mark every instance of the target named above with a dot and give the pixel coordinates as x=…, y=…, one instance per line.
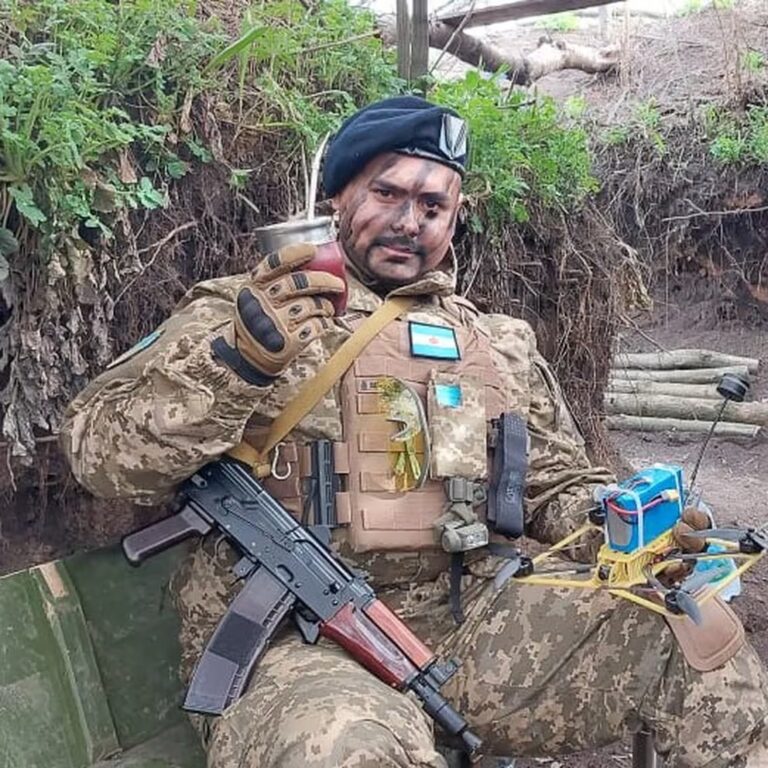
x=205, y=231
x=699, y=228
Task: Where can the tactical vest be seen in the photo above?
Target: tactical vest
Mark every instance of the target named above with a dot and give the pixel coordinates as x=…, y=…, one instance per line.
x=373, y=514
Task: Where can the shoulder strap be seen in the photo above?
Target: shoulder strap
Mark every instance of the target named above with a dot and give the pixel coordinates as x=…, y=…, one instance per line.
x=312, y=391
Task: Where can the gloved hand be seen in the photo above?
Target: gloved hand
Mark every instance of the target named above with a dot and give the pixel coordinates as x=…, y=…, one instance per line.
x=283, y=309
x=693, y=519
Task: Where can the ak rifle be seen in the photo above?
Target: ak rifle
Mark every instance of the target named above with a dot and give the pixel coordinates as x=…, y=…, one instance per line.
x=289, y=570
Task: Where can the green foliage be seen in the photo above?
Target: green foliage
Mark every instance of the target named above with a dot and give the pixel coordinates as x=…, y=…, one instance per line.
x=575, y=107
x=752, y=61
x=86, y=84
x=520, y=153
x=616, y=135
x=645, y=126
x=560, y=22
x=648, y=119
x=694, y=6
x=308, y=70
x=82, y=81
x=736, y=139
x=690, y=6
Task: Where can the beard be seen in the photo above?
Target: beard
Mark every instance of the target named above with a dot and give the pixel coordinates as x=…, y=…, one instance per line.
x=378, y=273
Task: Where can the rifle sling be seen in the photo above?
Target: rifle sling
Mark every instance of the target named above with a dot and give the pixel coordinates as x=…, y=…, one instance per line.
x=313, y=390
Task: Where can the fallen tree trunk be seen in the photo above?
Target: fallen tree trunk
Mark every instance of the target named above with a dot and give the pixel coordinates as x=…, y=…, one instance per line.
x=683, y=358
x=522, y=68
x=682, y=375
x=706, y=391
x=685, y=408
x=655, y=424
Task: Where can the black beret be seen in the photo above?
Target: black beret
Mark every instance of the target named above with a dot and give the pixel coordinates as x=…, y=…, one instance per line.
x=404, y=124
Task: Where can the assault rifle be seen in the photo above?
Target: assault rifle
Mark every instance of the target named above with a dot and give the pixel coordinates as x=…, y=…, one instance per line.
x=289, y=570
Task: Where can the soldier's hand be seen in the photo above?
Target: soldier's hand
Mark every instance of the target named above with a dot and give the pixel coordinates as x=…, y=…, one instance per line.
x=693, y=519
x=283, y=309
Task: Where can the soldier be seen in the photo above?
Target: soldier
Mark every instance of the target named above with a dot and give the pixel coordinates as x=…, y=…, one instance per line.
x=544, y=671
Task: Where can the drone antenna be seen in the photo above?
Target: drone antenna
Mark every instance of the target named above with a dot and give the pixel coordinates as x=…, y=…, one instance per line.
x=732, y=388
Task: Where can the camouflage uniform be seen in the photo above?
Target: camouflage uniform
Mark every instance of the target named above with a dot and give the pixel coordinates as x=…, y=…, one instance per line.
x=544, y=671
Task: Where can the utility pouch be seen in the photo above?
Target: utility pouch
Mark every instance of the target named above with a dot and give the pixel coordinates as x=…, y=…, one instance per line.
x=456, y=414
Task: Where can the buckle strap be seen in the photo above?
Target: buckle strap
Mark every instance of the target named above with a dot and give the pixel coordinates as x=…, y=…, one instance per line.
x=510, y=465
x=459, y=528
x=313, y=390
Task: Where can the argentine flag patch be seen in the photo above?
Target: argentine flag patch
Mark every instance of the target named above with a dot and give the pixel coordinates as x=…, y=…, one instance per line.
x=433, y=341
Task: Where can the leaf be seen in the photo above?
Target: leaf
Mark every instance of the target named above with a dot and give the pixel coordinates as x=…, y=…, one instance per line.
x=104, y=198
x=238, y=178
x=8, y=243
x=25, y=204
x=148, y=196
x=176, y=168
x=234, y=49
x=126, y=171
x=5, y=269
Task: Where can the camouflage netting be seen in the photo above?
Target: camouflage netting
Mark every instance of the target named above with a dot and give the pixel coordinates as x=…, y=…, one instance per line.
x=67, y=315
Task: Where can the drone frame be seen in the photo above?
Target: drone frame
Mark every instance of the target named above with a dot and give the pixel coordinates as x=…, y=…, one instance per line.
x=619, y=572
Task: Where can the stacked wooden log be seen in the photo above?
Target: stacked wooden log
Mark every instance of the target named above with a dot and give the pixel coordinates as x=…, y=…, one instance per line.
x=677, y=391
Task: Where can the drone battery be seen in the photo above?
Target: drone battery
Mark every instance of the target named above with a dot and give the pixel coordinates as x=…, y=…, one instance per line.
x=643, y=507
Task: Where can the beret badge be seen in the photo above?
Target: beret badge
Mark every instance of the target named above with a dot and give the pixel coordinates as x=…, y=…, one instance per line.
x=453, y=137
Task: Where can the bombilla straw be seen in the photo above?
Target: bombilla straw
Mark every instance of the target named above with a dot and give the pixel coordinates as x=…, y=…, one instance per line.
x=314, y=178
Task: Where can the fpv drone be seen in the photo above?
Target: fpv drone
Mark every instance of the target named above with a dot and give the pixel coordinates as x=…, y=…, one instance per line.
x=640, y=558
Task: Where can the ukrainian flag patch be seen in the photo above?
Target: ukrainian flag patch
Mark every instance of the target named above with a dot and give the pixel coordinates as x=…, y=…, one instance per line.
x=434, y=341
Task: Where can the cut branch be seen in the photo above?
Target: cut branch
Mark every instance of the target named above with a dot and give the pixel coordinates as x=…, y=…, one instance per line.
x=685, y=408
x=521, y=68
x=654, y=424
x=707, y=391
x=520, y=10
x=682, y=375
x=683, y=358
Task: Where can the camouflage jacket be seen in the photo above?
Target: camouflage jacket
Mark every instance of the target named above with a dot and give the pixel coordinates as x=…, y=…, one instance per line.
x=166, y=407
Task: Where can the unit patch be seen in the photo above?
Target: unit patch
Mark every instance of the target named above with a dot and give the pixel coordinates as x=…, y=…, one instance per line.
x=433, y=341
x=139, y=346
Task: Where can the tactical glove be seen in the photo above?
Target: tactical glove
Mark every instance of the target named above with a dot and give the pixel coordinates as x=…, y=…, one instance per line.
x=693, y=519
x=279, y=313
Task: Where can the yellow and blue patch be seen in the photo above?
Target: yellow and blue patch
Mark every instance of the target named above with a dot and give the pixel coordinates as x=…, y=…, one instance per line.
x=433, y=341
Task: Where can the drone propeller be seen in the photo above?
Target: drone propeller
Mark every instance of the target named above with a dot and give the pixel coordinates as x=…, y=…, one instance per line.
x=680, y=599
x=750, y=540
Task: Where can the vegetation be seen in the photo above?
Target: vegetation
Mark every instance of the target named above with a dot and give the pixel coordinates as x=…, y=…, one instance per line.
x=108, y=111
x=560, y=22
x=82, y=82
x=738, y=139
x=522, y=153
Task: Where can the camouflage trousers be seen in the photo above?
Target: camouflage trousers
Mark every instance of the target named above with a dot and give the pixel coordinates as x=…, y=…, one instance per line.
x=544, y=672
